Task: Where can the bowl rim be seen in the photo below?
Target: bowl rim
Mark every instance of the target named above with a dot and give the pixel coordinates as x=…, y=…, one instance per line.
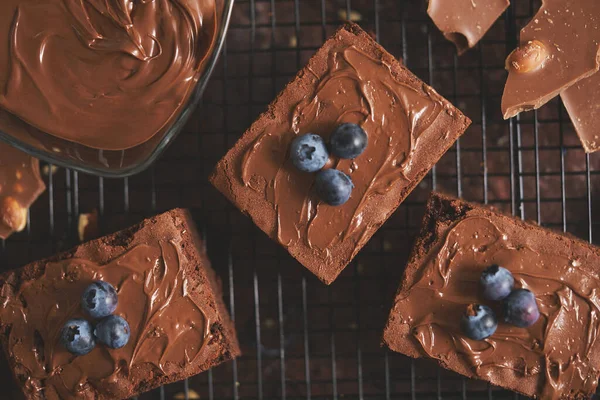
x=170, y=135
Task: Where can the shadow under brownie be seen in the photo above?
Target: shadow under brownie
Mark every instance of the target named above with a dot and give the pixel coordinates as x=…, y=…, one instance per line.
x=557, y=357
x=350, y=79
x=167, y=291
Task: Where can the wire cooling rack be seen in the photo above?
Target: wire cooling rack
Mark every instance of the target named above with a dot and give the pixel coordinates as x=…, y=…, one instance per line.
x=302, y=339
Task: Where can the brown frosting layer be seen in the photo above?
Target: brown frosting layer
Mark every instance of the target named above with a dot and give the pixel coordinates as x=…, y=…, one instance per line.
x=168, y=328
x=464, y=22
x=20, y=186
x=581, y=101
x=350, y=79
x=359, y=89
x=105, y=74
x=555, y=358
x=557, y=48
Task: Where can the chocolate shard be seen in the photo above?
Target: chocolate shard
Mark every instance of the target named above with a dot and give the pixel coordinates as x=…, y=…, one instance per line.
x=464, y=22
x=351, y=79
x=20, y=185
x=582, y=101
x=559, y=47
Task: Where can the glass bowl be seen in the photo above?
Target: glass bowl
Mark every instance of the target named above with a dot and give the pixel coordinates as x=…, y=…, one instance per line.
x=118, y=163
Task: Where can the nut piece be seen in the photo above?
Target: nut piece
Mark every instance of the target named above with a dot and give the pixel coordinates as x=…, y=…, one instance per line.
x=87, y=227
x=192, y=395
x=48, y=169
x=527, y=58
x=12, y=214
x=353, y=16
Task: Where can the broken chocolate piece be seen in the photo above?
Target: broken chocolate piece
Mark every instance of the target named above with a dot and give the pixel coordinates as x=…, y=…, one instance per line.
x=558, y=47
x=582, y=101
x=464, y=22
x=20, y=186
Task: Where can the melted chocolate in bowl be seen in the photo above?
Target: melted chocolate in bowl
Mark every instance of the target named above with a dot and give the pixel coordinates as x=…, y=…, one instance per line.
x=83, y=76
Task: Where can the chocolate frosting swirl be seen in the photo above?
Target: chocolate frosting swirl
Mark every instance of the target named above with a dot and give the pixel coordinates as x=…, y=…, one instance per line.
x=556, y=350
x=360, y=89
x=167, y=327
x=108, y=74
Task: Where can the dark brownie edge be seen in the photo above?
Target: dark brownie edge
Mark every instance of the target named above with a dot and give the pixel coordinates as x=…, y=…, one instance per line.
x=224, y=174
x=226, y=325
x=223, y=344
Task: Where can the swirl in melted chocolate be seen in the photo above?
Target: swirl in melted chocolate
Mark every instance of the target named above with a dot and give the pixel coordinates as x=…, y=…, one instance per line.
x=359, y=89
x=551, y=350
x=107, y=74
x=167, y=326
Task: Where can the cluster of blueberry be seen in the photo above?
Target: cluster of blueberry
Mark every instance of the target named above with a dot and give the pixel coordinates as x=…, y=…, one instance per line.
x=99, y=300
x=309, y=154
x=520, y=309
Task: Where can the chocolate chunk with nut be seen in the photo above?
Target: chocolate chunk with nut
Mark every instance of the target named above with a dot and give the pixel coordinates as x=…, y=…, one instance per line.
x=20, y=186
x=559, y=47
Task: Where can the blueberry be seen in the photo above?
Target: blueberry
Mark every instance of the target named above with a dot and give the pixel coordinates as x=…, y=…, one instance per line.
x=76, y=336
x=309, y=153
x=348, y=141
x=99, y=299
x=333, y=186
x=520, y=308
x=496, y=282
x=113, y=331
x=479, y=322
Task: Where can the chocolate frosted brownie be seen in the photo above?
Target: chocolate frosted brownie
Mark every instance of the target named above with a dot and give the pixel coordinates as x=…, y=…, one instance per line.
x=167, y=292
x=351, y=79
x=557, y=357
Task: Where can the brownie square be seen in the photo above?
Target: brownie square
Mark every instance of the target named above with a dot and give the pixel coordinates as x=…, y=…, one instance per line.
x=350, y=79
x=557, y=357
x=168, y=294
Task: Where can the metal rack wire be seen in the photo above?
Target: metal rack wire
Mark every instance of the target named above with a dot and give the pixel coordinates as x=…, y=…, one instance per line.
x=301, y=339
